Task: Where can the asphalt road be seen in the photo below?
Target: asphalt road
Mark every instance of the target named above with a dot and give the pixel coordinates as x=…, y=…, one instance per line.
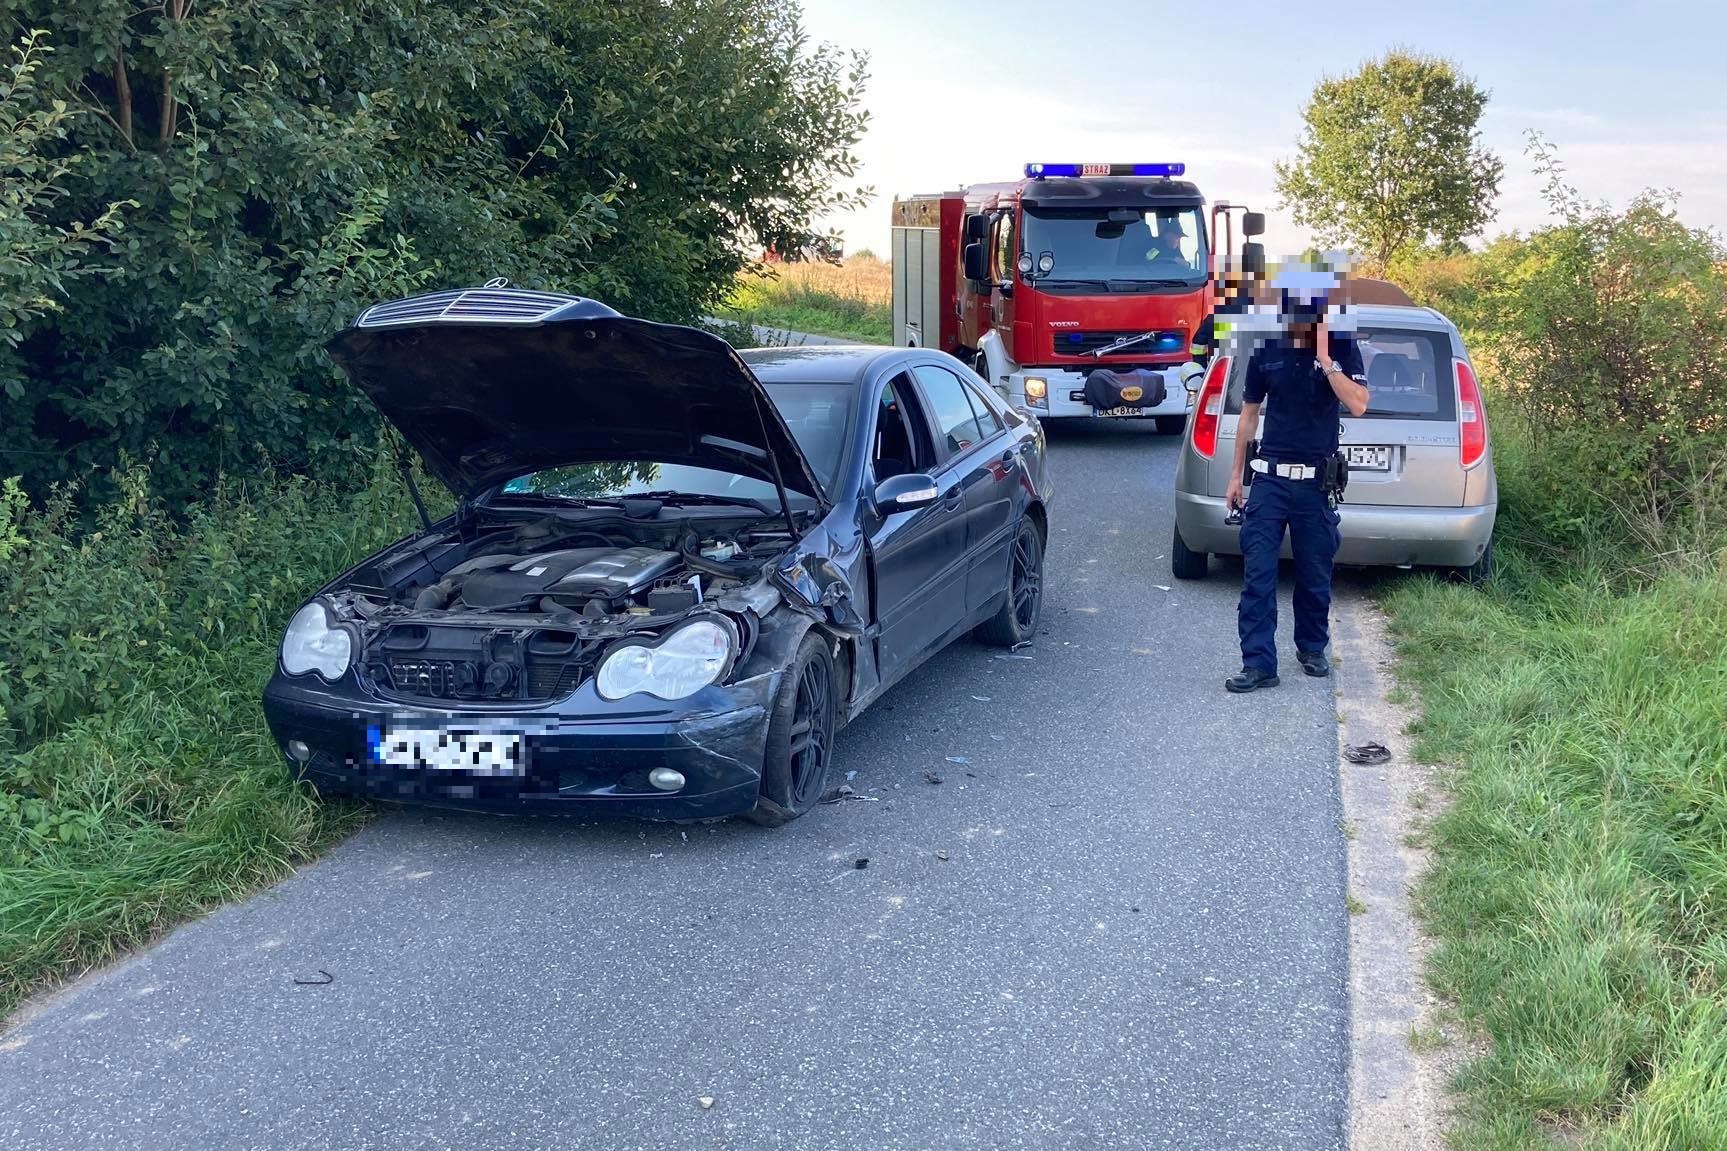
x=1116, y=922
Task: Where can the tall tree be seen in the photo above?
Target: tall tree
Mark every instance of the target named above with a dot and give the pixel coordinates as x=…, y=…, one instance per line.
x=1392, y=158
x=288, y=161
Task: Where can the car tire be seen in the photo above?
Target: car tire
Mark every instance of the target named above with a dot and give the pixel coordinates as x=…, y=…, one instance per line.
x=1480, y=573
x=1170, y=425
x=801, y=726
x=1184, y=562
x=1016, y=622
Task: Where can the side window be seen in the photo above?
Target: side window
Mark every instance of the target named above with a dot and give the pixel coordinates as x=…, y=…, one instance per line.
x=900, y=444
x=950, y=410
x=1006, y=251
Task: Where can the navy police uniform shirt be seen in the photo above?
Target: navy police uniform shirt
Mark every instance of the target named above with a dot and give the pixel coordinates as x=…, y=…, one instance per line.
x=1300, y=422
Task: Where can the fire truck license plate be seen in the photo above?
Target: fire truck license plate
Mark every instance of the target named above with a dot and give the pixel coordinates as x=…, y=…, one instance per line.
x=441, y=749
x=1370, y=459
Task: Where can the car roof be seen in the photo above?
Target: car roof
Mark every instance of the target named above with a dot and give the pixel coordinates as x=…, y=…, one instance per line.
x=819, y=363
x=1398, y=315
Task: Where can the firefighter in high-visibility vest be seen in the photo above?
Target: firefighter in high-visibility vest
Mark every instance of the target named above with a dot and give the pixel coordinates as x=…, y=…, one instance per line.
x=1232, y=296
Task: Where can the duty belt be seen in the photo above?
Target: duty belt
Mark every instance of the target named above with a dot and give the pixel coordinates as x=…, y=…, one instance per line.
x=1287, y=471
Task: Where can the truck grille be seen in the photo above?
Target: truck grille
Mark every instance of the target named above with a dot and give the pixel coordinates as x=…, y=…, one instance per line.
x=1079, y=343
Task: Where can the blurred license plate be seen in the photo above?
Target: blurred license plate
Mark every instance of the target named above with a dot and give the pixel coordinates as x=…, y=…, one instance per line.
x=1121, y=411
x=446, y=749
x=1370, y=459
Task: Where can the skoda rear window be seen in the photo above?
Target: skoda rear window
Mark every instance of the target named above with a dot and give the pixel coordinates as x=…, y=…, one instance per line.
x=1409, y=375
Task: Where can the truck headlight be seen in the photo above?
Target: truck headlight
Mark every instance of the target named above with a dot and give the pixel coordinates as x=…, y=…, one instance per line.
x=313, y=644
x=681, y=664
x=1036, y=389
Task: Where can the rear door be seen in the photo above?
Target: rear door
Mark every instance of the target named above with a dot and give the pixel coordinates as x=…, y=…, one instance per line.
x=1404, y=452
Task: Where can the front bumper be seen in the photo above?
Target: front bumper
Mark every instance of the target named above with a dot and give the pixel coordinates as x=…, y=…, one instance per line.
x=1374, y=535
x=1063, y=385
x=583, y=755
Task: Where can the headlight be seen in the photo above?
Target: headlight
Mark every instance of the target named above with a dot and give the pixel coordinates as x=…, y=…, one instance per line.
x=681, y=664
x=1036, y=389
x=313, y=645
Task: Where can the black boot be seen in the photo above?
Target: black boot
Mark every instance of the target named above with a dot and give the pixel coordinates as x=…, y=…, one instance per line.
x=1314, y=663
x=1250, y=679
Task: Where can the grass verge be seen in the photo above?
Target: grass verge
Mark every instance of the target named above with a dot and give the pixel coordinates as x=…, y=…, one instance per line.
x=1579, y=890
x=138, y=782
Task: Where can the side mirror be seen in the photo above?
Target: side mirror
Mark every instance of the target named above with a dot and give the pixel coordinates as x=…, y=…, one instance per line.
x=1253, y=223
x=1253, y=261
x=976, y=263
x=906, y=493
x=976, y=228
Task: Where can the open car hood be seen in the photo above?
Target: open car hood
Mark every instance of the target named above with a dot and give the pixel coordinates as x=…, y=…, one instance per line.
x=494, y=383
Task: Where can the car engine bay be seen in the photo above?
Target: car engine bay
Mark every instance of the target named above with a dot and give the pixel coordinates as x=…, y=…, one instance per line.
x=526, y=608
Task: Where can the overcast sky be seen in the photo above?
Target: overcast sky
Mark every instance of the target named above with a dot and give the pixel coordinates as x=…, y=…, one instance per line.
x=1630, y=95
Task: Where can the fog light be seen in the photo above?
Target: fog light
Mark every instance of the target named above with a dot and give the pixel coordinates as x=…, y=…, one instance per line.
x=1036, y=388
x=666, y=779
x=298, y=751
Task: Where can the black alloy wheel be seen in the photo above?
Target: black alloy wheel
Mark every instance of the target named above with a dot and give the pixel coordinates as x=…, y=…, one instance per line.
x=799, y=754
x=1016, y=622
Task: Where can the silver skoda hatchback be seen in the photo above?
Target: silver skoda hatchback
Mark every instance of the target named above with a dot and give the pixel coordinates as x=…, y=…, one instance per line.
x=1421, y=492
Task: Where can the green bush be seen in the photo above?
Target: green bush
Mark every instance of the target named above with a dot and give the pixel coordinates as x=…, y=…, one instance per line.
x=1603, y=340
x=283, y=163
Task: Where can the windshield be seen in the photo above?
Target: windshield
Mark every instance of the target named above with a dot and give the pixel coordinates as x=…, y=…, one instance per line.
x=1121, y=247
x=817, y=415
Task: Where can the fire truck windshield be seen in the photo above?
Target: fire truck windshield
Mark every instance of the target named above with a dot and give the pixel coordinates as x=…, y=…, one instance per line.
x=1122, y=249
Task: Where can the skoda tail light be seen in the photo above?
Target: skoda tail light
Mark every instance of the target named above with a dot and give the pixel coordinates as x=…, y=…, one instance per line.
x=1471, y=417
x=1209, y=408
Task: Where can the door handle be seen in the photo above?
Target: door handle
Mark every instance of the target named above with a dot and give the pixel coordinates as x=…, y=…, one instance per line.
x=1007, y=457
x=952, y=496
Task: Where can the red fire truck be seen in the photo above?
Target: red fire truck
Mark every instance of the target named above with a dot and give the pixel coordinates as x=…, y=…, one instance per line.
x=1041, y=282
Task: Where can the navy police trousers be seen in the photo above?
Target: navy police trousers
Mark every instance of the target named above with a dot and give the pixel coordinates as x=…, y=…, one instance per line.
x=1273, y=505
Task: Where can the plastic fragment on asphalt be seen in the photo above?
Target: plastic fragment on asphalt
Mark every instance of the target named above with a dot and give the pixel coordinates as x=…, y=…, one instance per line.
x=851, y=775
x=657, y=855
x=1161, y=587
x=932, y=777
x=862, y=863
x=981, y=698
x=959, y=759
x=327, y=978
x=705, y=1102
x=941, y=855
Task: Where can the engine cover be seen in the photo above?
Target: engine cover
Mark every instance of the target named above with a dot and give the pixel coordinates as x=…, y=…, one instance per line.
x=609, y=573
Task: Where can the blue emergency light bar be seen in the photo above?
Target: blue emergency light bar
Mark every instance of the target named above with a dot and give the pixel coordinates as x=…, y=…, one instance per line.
x=1039, y=171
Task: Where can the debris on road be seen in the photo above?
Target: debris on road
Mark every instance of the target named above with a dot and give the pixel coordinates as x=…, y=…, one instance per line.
x=705, y=1102
x=1367, y=753
x=932, y=777
x=328, y=978
x=845, y=792
x=962, y=759
x=981, y=698
x=1161, y=587
x=861, y=863
x=942, y=855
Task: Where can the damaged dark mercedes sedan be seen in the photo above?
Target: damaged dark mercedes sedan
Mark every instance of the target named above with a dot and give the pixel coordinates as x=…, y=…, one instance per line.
x=674, y=571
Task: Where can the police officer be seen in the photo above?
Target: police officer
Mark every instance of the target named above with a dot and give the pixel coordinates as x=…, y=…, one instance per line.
x=1303, y=374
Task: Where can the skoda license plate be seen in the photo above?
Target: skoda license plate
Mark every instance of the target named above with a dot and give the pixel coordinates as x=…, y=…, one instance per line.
x=1370, y=459
x=1121, y=411
x=448, y=749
